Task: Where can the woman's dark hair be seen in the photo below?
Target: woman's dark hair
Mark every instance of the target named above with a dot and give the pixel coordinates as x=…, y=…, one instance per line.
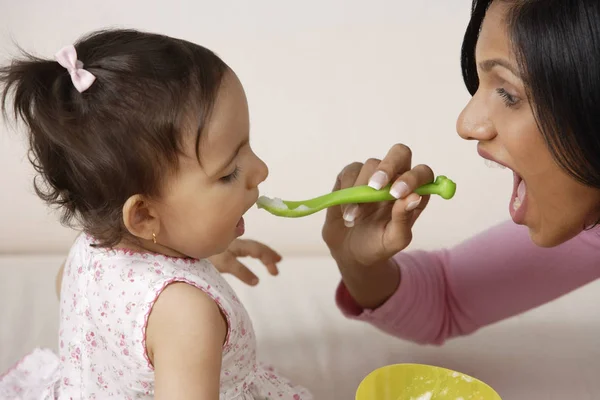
x=557, y=47
x=93, y=150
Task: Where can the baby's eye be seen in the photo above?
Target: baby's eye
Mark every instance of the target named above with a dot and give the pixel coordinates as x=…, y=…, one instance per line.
x=231, y=177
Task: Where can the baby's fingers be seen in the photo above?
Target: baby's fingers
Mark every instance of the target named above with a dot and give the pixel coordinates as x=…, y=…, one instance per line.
x=243, y=273
x=259, y=251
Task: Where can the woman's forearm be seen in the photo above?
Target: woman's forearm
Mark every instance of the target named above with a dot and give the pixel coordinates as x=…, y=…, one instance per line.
x=370, y=286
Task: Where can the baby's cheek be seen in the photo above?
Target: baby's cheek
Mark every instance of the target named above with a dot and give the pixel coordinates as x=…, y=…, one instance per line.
x=208, y=236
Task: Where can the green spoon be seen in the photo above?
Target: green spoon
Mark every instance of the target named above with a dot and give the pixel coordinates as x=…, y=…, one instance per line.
x=442, y=186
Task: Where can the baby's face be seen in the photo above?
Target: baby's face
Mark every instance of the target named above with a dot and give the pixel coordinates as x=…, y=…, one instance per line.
x=202, y=205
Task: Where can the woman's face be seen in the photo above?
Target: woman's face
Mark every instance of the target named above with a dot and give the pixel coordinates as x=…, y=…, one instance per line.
x=554, y=206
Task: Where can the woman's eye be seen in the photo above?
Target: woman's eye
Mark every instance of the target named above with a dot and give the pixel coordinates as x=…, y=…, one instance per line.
x=509, y=100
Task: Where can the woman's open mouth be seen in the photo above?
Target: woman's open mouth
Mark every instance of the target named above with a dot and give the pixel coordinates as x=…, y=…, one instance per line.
x=518, y=200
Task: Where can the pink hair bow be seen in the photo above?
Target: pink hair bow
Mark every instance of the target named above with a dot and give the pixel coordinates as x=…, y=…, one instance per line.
x=82, y=79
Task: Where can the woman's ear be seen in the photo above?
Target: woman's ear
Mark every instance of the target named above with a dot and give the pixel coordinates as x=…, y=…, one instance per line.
x=140, y=217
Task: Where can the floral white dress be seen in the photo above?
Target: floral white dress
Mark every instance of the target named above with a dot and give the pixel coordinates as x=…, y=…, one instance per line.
x=106, y=298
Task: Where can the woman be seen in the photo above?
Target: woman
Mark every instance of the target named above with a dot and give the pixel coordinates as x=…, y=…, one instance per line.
x=533, y=69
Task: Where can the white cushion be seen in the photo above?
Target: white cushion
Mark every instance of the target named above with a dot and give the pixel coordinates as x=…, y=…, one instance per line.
x=550, y=353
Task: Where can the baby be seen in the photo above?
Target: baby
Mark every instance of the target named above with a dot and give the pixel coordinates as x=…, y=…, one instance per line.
x=143, y=141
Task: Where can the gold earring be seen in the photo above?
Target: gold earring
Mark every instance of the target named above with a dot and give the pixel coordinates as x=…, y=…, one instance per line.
x=153, y=237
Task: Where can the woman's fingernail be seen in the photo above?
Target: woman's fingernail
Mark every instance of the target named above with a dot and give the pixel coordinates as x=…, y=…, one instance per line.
x=378, y=180
x=348, y=224
x=399, y=189
x=413, y=204
x=350, y=214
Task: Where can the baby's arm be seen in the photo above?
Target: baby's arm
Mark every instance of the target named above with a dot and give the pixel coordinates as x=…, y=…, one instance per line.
x=184, y=341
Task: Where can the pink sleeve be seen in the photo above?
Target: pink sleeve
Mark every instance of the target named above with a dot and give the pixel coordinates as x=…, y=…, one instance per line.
x=493, y=276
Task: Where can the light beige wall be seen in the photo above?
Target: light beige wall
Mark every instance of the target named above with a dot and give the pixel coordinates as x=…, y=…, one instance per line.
x=329, y=82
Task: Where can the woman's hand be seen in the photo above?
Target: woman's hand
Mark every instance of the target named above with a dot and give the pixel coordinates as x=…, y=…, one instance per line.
x=362, y=238
x=227, y=262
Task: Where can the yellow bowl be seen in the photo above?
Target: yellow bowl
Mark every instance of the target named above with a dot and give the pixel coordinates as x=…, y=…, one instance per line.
x=422, y=382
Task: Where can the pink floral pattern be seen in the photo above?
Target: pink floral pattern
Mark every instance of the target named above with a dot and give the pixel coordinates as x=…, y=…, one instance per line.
x=106, y=298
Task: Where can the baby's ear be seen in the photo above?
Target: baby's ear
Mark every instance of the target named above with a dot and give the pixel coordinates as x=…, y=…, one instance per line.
x=140, y=217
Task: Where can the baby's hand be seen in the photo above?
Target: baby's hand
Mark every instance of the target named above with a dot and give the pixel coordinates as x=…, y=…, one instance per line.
x=227, y=262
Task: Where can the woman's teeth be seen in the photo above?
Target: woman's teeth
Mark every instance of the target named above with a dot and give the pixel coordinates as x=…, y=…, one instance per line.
x=493, y=164
x=516, y=204
x=520, y=197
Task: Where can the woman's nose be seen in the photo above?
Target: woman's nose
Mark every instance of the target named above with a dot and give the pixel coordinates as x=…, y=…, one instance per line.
x=474, y=122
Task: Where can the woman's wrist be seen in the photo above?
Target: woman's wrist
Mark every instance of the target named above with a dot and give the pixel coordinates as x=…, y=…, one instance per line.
x=370, y=286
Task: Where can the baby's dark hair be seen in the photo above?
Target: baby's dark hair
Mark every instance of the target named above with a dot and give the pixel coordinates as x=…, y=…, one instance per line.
x=93, y=150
